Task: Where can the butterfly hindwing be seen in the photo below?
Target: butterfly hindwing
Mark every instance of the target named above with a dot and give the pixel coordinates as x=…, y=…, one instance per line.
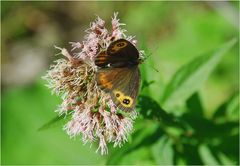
x=122, y=84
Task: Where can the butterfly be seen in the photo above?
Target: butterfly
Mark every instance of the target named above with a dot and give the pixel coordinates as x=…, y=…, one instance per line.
x=119, y=74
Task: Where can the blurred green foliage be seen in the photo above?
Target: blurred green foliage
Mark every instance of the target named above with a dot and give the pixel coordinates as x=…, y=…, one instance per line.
x=189, y=110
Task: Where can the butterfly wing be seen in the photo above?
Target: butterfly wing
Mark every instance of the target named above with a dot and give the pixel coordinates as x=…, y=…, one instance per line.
x=102, y=59
x=120, y=53
x=122, y=84
x=119, y=74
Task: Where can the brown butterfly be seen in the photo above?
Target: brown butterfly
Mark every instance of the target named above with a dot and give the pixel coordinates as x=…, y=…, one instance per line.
x=119, y=74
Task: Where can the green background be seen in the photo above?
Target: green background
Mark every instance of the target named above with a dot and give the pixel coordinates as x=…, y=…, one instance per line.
x=174, y=33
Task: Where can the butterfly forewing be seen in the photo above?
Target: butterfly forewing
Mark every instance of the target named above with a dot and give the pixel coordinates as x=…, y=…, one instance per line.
x=122, y=51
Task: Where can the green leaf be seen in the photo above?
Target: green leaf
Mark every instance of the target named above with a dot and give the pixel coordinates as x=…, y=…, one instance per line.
x=163, y=151
x=55, y=121
x=189, y=78
x=228, y=111
x=150, y=109
x=194, y=104
x=146, y=84
x=141, y=138
x=141, y=156
x=207, y=156
x=233, y=108
x=225, y=160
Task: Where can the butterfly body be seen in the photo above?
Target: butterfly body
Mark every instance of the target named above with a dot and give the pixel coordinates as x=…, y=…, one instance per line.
x=119, y=74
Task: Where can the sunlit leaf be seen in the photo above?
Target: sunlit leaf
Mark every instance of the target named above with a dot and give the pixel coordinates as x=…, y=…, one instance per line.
x=207, y=156
x=189, y=78
x=233, y=108
x=225, y=160
x=141, y=156
x=163, y=151
x=228, y=111
x=141, y=138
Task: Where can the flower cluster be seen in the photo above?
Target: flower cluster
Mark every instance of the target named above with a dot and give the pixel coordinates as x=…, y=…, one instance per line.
x=94, y=115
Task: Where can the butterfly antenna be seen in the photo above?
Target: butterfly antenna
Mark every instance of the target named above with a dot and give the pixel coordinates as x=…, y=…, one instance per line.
x=150, y=54
x=155, y=69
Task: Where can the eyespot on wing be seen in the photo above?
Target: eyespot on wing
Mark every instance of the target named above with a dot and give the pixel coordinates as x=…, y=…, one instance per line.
x=115, y=47
x=124, y=100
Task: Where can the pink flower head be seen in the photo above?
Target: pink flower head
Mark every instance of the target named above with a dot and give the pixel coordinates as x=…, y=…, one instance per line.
x=94, y=115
